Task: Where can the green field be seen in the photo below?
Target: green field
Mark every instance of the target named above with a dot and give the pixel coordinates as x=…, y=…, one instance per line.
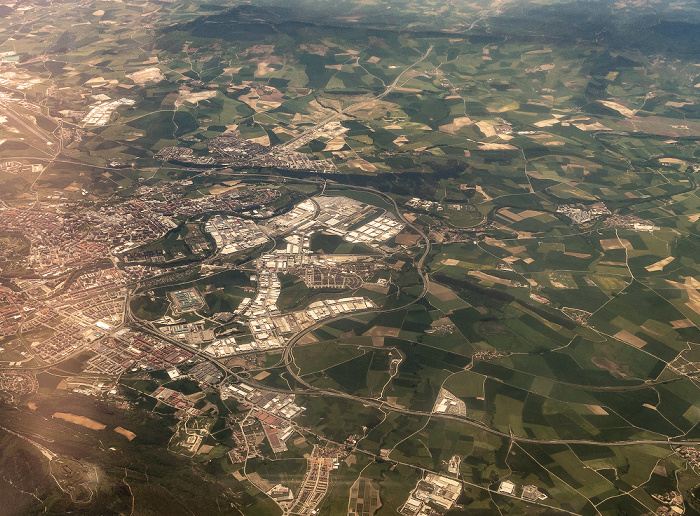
x=541, y=159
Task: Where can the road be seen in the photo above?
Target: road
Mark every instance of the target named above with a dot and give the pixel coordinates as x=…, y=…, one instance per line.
x=385, y=407
x=309, y=390
x=310, y=132
x=289, y=346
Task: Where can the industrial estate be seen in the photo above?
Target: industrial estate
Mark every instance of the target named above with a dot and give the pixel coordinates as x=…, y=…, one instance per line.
x=352, y=258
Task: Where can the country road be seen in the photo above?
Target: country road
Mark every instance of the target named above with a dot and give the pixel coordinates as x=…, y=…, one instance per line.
x=311, y=130
x=309, y=390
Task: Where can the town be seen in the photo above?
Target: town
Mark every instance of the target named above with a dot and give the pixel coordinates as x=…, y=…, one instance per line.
x=239, y=152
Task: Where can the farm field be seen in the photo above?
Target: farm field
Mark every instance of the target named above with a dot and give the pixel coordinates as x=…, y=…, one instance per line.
x=361, y=257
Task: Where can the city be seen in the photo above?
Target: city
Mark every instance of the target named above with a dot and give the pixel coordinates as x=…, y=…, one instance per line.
x=352, y=258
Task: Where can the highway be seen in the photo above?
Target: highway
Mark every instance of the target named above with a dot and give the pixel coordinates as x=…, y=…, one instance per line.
x=312, y=391
x=385, y=407
x=287, y=360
